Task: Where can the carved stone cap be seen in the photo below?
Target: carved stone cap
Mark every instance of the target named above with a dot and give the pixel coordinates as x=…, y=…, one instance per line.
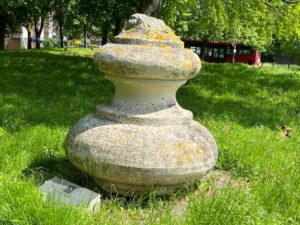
x=144, y=30
x=147, y=49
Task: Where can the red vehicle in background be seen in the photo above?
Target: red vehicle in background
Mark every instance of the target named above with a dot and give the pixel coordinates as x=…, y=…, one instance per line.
x=222, y=52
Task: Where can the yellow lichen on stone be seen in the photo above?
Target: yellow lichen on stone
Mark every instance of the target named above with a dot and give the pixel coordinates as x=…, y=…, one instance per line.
x=188, y=64
x=163, y=147
x=128, y=34
x=181, y=144
x=100, y=50
x=200, y=152
x=152, y=35
x=185, y=152
x=118, y=49
x=146, y=33
x=130, y=136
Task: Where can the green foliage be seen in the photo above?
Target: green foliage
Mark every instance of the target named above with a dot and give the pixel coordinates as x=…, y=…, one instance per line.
x=113, y=14
x=242, y=106
x=229, y=20
x=50, y=43
x=288, y=31
x=8, y=7
x=177, y=13
x=32, y=15
x=9, y=18
x=72, y=19
x=39, y=8
x=208, y=21
x=62, y=10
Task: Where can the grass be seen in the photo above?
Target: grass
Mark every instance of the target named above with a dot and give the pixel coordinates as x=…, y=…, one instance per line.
x=43, y=93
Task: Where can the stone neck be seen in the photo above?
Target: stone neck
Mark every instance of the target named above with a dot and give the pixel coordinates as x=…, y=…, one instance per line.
x=139, y=96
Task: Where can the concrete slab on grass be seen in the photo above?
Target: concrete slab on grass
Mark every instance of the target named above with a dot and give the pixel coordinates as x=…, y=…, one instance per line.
x=66, y=192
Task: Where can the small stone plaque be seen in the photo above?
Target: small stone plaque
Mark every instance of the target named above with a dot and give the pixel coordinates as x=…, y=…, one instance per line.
x=68, y=193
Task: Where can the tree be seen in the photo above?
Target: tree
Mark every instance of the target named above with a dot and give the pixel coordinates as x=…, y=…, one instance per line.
x=234, y=20
x=247, y=23
x=208, y=21
x=61, y=11
x=177, y=14
x=25, y=15
x=287, y=37
x=8, y=18
x=73, y=20
x=39, y=10
x=107, y=15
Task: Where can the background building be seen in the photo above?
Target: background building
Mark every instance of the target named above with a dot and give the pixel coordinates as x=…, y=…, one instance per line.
x=19, y=40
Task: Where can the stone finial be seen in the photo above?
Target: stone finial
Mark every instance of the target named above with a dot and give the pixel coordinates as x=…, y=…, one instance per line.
x=143, y=139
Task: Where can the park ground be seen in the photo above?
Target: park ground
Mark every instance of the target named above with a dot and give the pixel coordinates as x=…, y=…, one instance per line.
x=253, y=113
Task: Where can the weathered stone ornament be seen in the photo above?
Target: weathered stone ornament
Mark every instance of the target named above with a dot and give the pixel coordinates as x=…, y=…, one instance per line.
x=143, y=139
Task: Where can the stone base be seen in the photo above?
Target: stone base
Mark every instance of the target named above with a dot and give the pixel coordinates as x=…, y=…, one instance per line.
x=128, y=156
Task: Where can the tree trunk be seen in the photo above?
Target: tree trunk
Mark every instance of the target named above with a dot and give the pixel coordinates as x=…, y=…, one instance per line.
x=104, y=37
x=61, y=35
x=37, y=39
x=105, y=32
x=118, y=22
x=84, y=35
x=29, y=38
x=151, y=7
x=2, y=32
x=38, y=32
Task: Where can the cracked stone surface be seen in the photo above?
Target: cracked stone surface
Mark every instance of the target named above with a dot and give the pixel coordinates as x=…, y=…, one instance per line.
x=143, y=140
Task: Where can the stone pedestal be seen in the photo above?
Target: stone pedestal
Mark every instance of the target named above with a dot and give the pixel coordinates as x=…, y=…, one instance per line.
x=143, y=139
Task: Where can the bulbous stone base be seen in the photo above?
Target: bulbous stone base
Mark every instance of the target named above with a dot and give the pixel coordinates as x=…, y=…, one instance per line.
x=134, y=157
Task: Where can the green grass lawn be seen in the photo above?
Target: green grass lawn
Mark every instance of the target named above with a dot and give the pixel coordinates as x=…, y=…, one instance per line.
x=43, y=93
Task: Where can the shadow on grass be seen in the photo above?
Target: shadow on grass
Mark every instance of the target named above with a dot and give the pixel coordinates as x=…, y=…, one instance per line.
x=44, y=169
x=42, y=88
x=245, y=95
